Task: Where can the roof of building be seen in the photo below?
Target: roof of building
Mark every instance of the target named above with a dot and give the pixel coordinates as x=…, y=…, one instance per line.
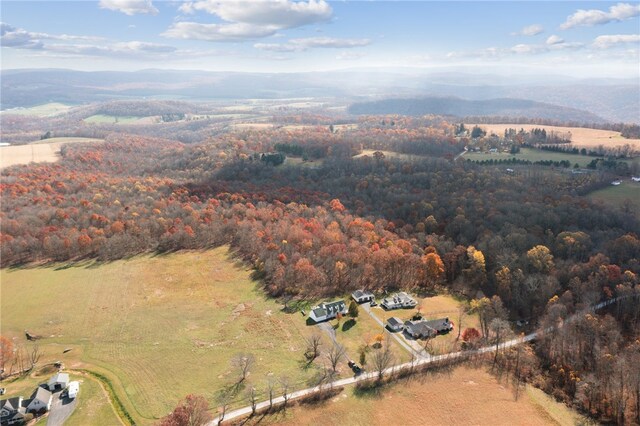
x=394, y=322
x=319, y=312
x=361, y=293
x=439, y=324
x=42, y=394
x=60, y=378
x=11, y=404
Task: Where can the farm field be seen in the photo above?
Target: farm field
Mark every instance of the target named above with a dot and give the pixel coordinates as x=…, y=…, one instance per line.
x=627, y=192
x=47, y=150
x=44, y=110
x=531, y=155
x=112, y=119
x=464, y=396
x=581, y=137
x=157, y=327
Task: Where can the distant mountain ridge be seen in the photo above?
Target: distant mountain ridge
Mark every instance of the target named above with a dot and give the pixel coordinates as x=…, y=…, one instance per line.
x=503, y=107
x=613, y=100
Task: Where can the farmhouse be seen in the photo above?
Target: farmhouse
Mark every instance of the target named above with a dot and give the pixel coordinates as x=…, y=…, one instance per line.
x=11, y=411
x=395, y=324
x=58, y=382
x=362, y=296
x=326, y=311
x=399, y=300
x=40, y=401
x=427, y=329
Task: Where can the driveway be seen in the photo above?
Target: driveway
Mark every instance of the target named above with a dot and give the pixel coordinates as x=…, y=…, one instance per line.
x=416, y=350
x=61, y=409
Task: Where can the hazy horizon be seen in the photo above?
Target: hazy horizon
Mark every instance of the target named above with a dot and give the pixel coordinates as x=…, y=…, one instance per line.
x=571, y=39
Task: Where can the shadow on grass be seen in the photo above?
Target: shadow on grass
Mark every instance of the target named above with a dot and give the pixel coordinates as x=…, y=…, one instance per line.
x=369, y=390
x=348, y=324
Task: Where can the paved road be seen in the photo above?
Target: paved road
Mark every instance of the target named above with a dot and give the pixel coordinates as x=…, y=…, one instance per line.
x=418, y=353
x=61, y=409
x=461, y=154
x=422, y=361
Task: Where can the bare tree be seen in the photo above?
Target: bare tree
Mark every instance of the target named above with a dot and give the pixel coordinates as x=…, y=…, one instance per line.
x=271, y=388
x=382, y=358
x=335, y=354
x=462, y=315
x=243, y=363
x=285, y=385
x=252, y=396
x=500, y=329
x=313, y=347
x=223, y=399
x=34, y=356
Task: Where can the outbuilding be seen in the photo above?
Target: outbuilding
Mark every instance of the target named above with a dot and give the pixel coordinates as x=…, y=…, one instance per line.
x=58, y=382
x=362, y=296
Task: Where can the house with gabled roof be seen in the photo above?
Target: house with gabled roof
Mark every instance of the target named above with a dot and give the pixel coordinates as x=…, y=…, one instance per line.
x=427, y=329
x=362, y=296
x=58, y=382
x=327, y=311
x=399, y=300
x=395, y=324
x=12, y=411
x=40, y=401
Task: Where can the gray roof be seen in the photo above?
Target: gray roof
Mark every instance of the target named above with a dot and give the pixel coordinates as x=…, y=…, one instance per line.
x=60, y=378
x=439, y=324
x=11, y=404
x=42, y=394
x=319, y=312
x=336, y=306
x=361, y=293
x=394, y=322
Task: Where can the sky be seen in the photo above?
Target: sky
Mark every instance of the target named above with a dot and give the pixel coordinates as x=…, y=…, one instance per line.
x=582, y=39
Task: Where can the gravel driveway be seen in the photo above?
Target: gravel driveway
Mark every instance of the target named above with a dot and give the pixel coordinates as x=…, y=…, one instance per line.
x=61, y=409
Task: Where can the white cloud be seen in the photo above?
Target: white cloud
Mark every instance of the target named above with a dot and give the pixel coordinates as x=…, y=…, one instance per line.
x=554, y=39
x=302, y=44
x=218, y=32
x=349, y=56
x=248, y=19
x=530, y=30
x=617, y=13
x=11, y=36
x=130, y=7
x=608, y=41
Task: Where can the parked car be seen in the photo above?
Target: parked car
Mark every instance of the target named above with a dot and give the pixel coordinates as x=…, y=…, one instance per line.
x=351, y=363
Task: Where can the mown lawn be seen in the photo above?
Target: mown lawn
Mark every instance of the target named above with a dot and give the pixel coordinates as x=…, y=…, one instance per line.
x=532, y=155
x=626, y=193
x=158, y=327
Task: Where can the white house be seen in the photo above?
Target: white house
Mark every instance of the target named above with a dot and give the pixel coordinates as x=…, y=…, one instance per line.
x=399, y=300
x=362, y=296
x=11, y=411
x=58, y=382
x=616, y=182
x=326, y=311
x=40, y=401
x=635, y=178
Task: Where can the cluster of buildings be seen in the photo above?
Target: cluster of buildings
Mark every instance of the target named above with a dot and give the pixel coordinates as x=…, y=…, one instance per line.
x=13, y=411
x=418, y=329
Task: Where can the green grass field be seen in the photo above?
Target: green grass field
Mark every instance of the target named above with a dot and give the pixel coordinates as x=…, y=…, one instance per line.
x=112, y=119
x=531, y=155
x=158, y=327
x=627, y=192
x=44, y=110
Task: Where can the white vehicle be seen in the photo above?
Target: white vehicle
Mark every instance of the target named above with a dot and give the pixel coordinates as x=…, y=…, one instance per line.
x=72, y=390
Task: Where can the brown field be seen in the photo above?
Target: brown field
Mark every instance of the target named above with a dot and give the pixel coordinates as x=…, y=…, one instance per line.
x=466, y=396
x=589, y=138
x=37, y=152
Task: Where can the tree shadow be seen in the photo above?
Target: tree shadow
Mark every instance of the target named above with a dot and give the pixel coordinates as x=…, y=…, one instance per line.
x=348, y=324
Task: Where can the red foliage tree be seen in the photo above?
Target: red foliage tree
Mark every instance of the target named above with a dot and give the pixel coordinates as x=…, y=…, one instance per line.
x=192, y=411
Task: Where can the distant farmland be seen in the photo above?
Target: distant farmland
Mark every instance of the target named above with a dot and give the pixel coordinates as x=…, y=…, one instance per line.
x=581, y=137
x=42, y=151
